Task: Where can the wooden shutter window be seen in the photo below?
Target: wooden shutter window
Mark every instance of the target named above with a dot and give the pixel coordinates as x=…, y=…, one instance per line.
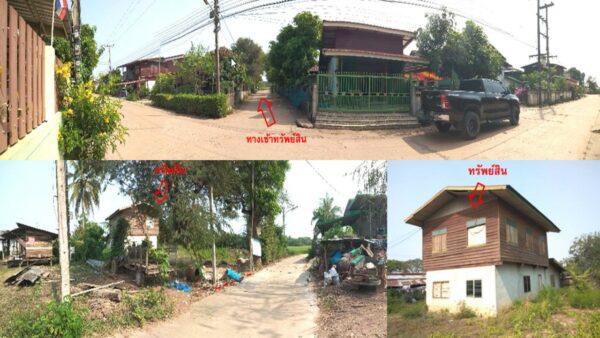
x=512, y=232
x=438, y=240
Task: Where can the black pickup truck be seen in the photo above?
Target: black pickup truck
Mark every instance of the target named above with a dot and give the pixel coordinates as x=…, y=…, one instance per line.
x=475, y=102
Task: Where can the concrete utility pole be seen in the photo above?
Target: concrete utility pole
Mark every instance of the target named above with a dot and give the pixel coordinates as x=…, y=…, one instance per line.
x=214, y=246
x=110, y=56
x=543, y=20
x=63, y=243
x=76, y=11
x=251, y=230
x=215, y=16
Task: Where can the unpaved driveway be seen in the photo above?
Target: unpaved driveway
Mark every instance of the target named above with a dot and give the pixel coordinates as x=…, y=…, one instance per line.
x=275, y=302
x=561, y=132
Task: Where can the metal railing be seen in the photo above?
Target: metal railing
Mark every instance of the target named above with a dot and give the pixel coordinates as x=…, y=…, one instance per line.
x=363, y=93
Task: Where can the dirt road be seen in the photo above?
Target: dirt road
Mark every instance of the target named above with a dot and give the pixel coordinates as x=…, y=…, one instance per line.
x=561, y=132
x=275, y=302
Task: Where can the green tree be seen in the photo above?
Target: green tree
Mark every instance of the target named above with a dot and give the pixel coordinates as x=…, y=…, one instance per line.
x=84, y=187
x=295, y=51
x=90, y=53
x=253, y=57
x=196, y=68
x=585, y=256
x=108, y=84
x=578, y=75
x=409, y=266
x=88, y=241
x=593, y=85
x=325, y=212
x=469, y=53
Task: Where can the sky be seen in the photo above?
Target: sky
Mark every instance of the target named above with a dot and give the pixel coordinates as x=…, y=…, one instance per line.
x=567, y=192
x=29, y=188
x=133, y=25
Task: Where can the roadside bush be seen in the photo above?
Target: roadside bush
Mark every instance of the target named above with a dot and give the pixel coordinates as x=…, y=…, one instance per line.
x=339, y=232
x=273, y=243
x=55, y=320
x=161, y=257
x=89, y=242
x=118, y=234
x=149, y=305
x=165, y=84
x=584, y=299
x=211, y=106
x=63, y=85
x=90, y=125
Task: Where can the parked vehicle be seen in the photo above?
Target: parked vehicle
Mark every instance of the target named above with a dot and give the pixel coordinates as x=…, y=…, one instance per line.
x=475, y=102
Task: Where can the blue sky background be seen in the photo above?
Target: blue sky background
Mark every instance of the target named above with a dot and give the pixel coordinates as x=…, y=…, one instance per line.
x=28, y=190
x=567, y=192
x=511, y=25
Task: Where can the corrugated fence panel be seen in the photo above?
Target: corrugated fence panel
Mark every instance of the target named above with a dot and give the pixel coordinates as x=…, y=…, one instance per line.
x=3, y=84
x=22, y=96
x=36, y=89
x=13, y=23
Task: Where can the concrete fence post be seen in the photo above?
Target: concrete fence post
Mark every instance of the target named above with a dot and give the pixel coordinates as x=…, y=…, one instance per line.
x=314, y=103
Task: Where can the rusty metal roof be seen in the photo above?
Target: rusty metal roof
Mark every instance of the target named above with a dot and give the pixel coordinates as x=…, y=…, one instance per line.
x=38, y=14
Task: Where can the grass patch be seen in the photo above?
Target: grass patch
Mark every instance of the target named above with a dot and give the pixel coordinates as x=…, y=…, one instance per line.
x=298, y=250
x=229, y=255
x=584, y=299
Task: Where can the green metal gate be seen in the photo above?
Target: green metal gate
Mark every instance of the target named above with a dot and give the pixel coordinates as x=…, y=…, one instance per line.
x=363, y=93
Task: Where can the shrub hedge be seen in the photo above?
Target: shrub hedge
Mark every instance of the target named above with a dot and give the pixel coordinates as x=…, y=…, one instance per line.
x=211, y=106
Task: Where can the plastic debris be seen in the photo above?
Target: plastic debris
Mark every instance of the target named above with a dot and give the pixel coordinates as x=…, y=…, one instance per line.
x=231, y=274
x=180, y=286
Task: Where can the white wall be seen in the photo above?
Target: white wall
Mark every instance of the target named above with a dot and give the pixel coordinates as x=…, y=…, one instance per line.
x=486, y=305
x=509, y=282
x=139, y=239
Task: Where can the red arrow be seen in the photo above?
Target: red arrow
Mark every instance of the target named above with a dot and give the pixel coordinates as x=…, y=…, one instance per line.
x=270, y=121
x=474, y=193
x=162, y=189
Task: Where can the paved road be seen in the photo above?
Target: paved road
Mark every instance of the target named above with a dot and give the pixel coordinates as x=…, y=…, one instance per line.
x=561, y=132
x=275, y=302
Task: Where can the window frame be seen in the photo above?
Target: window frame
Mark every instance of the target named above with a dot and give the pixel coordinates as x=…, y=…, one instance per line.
x=443, y=235
x=473, y=224
x=512, y=231
x=149, y=219
x=526, y=284
x=474, y=288
x=441, y=293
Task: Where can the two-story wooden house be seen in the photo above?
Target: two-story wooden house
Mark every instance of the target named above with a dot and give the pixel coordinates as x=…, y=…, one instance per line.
x=486, y=256
x=141, y=224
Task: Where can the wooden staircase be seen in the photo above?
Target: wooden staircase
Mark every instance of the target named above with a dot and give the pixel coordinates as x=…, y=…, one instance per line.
x=366, y=121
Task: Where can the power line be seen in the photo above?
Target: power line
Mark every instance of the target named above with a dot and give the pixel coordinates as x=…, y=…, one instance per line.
x=323, y=178
x=403, y=239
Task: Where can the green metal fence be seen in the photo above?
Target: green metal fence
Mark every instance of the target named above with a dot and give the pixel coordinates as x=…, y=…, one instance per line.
x=363, y=93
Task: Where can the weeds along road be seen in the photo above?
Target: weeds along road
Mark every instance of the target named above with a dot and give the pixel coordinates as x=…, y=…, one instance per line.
x=274, y=302
x=561, y=132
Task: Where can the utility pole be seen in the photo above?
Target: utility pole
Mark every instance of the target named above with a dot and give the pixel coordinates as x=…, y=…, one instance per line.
x=542, y=20
x=251, y=230
x=63, y=243
x=284, y=211
x=109, y=56
x=215, y=16
x=214, y=246
x=76, y=10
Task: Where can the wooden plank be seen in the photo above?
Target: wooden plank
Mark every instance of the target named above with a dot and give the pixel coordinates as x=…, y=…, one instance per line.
x=13, y=21
x=36, y=88
x=42, y=81
x=22, y=109
x=3, y=64
x=29, y=72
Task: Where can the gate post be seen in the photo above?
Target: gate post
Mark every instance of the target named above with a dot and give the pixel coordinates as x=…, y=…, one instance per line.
x=314, y=102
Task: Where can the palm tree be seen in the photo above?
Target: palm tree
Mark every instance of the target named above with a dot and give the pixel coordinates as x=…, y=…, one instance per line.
x=84, y=186
x=325, y=212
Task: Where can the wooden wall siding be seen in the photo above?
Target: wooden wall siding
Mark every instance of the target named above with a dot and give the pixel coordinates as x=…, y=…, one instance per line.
x=3, y=75
x=22, y=91
x=519, y=253
x=21, y=77
x=457, y=253
x=13, y=32
x=137, y=224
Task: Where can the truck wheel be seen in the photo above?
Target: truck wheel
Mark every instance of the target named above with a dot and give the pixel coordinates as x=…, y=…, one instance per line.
x=471, y=125
x=443, y=127
x=514, y=116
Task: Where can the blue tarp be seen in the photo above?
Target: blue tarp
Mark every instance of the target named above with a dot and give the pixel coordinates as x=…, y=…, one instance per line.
x=180, y=286
x=234, y=275
x=336, y=257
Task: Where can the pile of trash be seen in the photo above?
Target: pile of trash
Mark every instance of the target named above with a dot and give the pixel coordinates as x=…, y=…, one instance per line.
x=27, y=277
x=358, y=267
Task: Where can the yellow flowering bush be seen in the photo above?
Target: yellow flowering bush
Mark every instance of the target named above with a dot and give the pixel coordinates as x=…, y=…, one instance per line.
x=90, y=124
x=63, y=85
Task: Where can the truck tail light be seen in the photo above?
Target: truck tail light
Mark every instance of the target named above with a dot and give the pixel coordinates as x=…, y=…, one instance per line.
x=445, y=102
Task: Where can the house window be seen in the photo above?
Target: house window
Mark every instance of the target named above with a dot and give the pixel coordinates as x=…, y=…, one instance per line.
x=441, y=290
x=149, y=223
x=439, y=240
x=542, y=245
x=512, y=232
x=476, y=232
x=526, y=284
x=529, y=239
x=474, y=288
